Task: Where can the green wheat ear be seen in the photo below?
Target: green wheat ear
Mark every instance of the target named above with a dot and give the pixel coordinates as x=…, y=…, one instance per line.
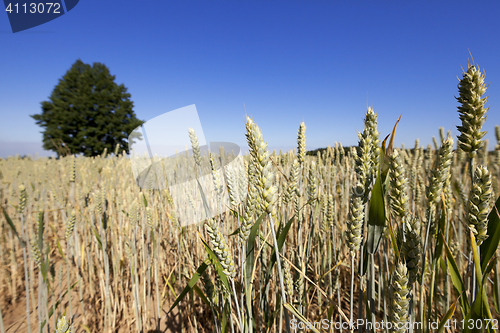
x=263, y=165
x=63, y=326
x=479, y=203
x=301, y=143
x=441, y=173
x=35, y=250
x=472, y=111
x=330, y=211
x=195, y=146
x=355, y=223
x=23, y=199
x=221, y=248
x=293, y=179
x=232, y=186
x=72, y=175
x=412, y=248
x=312, y=187
x=70, y=225
x=250, y=206
x=399, y=298
x=399, y=186
x=324, y=213
x=288, y=279
x=367, y=152
x=371, y=125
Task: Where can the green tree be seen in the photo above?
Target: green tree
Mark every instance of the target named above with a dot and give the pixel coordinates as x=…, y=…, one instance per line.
x=87, y=112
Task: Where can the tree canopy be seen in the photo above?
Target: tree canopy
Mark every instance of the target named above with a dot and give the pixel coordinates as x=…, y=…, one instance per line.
x=87, y=112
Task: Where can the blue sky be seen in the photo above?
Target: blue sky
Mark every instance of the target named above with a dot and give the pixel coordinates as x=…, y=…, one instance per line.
x=285, y=61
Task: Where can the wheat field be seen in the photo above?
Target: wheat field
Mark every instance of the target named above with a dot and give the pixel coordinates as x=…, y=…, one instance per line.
x=373, y=238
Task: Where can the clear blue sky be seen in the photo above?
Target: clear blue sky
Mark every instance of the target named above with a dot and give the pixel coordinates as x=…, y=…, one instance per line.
x=286, y=61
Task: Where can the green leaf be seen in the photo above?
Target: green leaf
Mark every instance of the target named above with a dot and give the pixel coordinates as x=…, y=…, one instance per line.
x=250, y=261
x=225, y=317
x=202, y=295
x=56, y=305
x=281, y=240
x=440, y=230
x=456, y=278
x=376, y=206
x=496, y=289
x=393, y=135
x=367, y=306
x=46, y=265
x=483, y=297
x=481, y=304
x=479, y=310
x=442, y=264
x=488, y=270
x=234, y=233
x=311, y=230
x=477, y=261
x=190, y=285
x=94, y=230
x=59, y=247
x=490, y=245
x=376, y=217
x=205, y=204
x=86, y=328
x=250, y=255
x=13, y=227
x=300, y=317
x=41, y=227
x=236, y=214
x=447, y=316
x=216, y=264
x=271, y=315
x=172, y=289
x=331, y=308
x=384, y=163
